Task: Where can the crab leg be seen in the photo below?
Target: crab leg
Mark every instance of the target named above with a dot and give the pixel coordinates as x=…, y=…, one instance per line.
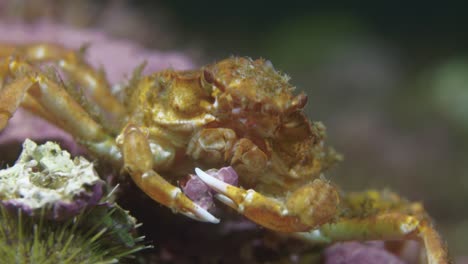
x=52, y=97
x=138, y=161
x=33, y=106
x=10, y=97
x=386, y=217
x=308, y=207
x=286, y=217
x=382, y=226
x=72, y=63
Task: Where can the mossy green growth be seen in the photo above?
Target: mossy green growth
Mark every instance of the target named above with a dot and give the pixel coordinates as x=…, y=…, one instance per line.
x=104, y=234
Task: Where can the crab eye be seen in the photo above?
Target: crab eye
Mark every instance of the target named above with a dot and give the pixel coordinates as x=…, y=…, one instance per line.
x=208, y=76
x=207, y=81
x=297, y=103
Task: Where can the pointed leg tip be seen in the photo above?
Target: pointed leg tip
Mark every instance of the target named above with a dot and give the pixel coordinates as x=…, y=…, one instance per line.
x=226, y=200
x=205, y=216
x=201, y=214
x=215, y=221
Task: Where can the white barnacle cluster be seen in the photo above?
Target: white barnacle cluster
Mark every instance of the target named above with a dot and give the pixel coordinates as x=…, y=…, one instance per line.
x=46, y=176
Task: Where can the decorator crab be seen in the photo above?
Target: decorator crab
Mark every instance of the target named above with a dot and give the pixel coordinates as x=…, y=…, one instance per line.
x=237, y=112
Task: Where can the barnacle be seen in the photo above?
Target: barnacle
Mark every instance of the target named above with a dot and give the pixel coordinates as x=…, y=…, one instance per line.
x=45, y=179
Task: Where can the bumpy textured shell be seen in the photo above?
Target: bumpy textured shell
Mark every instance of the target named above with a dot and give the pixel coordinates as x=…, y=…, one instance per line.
x=254, y=83
x=258, y=103
x=250, y=99
x=45, y=179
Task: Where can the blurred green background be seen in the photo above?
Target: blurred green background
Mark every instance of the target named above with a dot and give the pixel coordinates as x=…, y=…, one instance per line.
x=389, y=81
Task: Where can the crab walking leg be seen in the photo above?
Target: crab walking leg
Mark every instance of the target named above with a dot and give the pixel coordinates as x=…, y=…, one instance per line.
x=436, y=249
x=308, y=207
x=31, y=104
x=138, y=161
x=53, y=98
x=14, y=94
x=384, y=226
x=379, y=227
x=74, y=65
x=10, y=97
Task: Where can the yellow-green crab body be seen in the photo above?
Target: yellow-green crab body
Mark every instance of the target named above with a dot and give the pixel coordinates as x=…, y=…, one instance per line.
x=213, y=118
x=237, y=112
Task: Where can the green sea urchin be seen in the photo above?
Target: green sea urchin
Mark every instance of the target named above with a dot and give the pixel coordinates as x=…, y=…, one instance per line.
x=53, y=211
x=99, y=235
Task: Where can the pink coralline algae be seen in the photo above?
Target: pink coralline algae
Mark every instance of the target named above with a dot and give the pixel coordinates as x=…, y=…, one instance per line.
x=200, y=193
x=118, y=58
x=26, y=125
x=355, y=252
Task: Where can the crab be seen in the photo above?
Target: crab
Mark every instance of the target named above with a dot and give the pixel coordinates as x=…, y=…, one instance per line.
x=237, y=112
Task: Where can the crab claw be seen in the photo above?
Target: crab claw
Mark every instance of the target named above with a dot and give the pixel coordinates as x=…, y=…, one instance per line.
x=173, y=197
x=140, y=168
x=297, y=213
x=198, y=213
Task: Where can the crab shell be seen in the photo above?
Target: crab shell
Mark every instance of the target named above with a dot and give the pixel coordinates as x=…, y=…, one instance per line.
x=258, y=103
x=248, y=97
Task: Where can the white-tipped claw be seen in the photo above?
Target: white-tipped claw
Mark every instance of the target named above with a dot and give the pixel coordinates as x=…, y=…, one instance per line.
x=190, y=215
x=211, y=181
x=202, y=215
x=225, y=200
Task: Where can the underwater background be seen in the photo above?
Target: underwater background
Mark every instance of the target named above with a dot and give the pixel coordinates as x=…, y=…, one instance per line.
x=390, y=82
